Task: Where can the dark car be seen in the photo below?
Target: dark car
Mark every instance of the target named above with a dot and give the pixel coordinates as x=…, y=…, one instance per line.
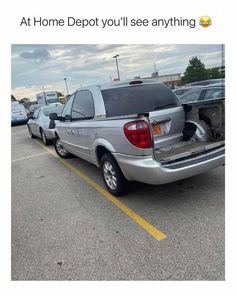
x=203, y=93
x=182, y=90
x=206, y=82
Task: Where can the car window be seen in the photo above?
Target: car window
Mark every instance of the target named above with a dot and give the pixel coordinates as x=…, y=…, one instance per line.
x=193, y=96
x=181, y=91
x=214, y=93
x=68, y=105
x=83, y=106
x=138, y=99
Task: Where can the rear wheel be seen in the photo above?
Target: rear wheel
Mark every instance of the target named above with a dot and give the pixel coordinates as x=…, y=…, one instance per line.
x=60, y=149
x=44, y=138
x=30, y=133
x=113, y=177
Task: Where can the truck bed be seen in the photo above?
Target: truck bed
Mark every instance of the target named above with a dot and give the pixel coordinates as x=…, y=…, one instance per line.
x=184, y=149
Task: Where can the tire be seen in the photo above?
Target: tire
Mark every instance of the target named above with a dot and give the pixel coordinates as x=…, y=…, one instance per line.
x=44, y=138
x=60, y=150
x=113, y=177
x=30, y=133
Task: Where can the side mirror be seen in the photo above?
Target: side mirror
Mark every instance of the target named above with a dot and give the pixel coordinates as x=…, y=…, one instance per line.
x=53, y=116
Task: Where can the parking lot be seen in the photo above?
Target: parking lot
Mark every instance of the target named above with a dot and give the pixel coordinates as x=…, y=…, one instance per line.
x=66, y=227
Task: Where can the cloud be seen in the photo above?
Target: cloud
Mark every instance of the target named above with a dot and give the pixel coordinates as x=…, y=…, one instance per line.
x=37, y=65
x=40, y=54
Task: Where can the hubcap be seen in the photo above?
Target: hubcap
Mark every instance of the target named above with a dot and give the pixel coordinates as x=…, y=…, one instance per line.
x=60, y=148
x=110, y=175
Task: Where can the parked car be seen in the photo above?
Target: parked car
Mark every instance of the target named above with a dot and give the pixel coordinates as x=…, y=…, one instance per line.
x=179, y=91
x=34, y=107
x=18, y=113
x=139, y=131
x=206, y=82
x=40, y=125
x=203, y=93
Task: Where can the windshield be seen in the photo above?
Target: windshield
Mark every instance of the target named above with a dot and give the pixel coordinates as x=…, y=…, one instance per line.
x=138, y=99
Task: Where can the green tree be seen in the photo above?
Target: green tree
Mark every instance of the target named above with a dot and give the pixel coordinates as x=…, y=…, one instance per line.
x=215, y=73
x=195, y=71
x=24, y=100
x=13, y=98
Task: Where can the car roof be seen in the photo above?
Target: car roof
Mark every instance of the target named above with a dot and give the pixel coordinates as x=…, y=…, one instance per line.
x=124, y=83
x=204, y=81
x=130, y=82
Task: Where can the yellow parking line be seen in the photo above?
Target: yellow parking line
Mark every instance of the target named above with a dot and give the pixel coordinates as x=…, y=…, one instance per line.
x=23, y=158
x=148, y=227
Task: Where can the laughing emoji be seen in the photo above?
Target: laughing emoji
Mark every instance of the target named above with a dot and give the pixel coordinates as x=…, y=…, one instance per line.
x=205, y=21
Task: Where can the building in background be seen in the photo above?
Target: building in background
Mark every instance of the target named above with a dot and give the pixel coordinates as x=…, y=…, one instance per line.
x=171, y=80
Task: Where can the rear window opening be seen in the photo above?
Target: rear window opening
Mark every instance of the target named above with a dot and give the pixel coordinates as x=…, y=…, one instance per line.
x=136, y=99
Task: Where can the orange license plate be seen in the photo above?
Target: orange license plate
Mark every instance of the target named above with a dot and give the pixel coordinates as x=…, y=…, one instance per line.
x=156, y=129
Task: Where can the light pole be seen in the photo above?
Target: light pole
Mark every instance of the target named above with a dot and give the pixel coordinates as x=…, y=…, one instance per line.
x=66, y=85
x=44, y=95
x=117, y=67
x=155, y=67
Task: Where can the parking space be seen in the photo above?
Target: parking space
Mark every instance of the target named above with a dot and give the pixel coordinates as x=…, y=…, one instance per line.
x=65, y=227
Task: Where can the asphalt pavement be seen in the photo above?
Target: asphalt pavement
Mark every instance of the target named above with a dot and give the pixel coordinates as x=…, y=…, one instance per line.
x=65, y=229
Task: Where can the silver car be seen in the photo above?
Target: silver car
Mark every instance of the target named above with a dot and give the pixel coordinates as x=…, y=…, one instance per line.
x=41, y=126
x=138, y=130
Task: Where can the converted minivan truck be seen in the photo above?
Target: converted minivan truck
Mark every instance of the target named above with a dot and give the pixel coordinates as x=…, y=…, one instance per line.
x=18, y=113
x=138, y=130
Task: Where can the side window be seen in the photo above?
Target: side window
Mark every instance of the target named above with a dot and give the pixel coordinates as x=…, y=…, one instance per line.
x=193, y=96
x=68, y=105
x=214, y=93
x=83, y=106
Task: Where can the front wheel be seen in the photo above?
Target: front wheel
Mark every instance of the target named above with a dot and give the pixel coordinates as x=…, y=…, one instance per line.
x=60, y=149
x=113, y=177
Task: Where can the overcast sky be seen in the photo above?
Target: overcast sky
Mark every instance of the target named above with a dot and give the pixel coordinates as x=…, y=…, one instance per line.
x=35, y=66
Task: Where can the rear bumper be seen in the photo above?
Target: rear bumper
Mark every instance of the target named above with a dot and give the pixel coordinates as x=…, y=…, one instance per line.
x=50, y=133
x=148, y=170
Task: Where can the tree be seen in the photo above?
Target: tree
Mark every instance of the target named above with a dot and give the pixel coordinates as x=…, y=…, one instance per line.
x=195, y=71
x=215, y=73
x=24, y=100
x=13, y=98
x=59, y=94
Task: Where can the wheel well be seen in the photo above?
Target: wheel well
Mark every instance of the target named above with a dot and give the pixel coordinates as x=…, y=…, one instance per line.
x=100, y=151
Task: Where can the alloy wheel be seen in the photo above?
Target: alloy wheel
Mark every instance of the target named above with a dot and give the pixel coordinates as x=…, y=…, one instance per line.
x=109, y=175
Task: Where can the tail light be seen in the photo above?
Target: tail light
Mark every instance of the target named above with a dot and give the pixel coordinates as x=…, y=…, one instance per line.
x=138, y=133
